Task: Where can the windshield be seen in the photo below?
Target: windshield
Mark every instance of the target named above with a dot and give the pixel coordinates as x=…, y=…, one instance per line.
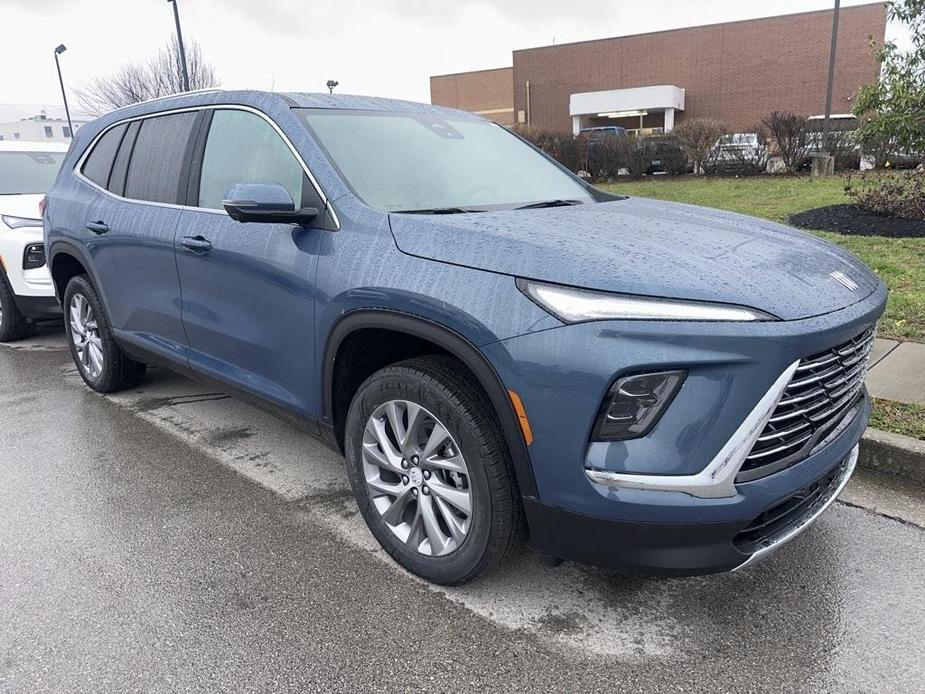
x=413, y=162
x=28, y=172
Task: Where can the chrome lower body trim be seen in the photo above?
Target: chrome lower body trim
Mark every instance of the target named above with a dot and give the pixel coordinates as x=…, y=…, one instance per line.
x=850, y=463
x=716, y=480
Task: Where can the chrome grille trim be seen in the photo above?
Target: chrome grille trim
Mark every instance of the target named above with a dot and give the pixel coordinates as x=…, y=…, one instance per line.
x=717, y=480
x=824, y=387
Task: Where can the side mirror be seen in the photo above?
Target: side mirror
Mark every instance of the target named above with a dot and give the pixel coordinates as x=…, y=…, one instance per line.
x=264, y=202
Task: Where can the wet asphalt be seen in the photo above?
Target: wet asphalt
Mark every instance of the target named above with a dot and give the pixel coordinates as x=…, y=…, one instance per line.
x=147, y=547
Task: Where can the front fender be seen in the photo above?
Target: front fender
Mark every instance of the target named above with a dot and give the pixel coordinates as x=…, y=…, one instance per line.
x=453, y=343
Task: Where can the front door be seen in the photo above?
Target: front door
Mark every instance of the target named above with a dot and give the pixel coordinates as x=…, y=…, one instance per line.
x=248, y=289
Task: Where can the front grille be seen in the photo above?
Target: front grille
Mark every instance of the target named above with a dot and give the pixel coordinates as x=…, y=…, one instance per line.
x=823, y=390
x=779, y=520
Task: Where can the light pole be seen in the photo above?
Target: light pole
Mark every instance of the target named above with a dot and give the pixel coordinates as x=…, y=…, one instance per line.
x=58, y=51
x=331, y=84
x=176, y=17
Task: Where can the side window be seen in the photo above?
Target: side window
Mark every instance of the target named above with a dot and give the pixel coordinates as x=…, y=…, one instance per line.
x=120, y=164
x=155, y=171
x=99, y=163
x=243, y=148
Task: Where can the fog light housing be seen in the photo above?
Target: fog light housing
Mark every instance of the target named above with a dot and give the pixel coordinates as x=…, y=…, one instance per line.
x=33, y=256
x=634, y=404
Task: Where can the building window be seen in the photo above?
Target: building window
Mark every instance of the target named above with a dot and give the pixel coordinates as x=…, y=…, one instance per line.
x=48, y=132
x=1, y=137
x=66, y=131
x=15, y=136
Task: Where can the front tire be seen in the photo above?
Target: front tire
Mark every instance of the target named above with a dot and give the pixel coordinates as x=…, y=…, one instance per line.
x=431, y=472
x=101, y=362
x=13, y=326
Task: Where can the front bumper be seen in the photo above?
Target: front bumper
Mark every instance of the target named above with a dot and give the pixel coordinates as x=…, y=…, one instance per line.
x=664, y=548
x=38, y=307
x=33, y=289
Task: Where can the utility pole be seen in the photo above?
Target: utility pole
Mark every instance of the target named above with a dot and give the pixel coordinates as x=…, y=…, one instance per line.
x=176, y=17
x=58, y=51
x=827, y=124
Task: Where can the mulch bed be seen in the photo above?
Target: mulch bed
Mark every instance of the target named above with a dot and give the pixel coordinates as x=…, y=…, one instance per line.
x=852, y=220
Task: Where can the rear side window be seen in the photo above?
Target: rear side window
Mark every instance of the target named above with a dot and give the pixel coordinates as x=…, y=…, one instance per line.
x=243, y=148
x=155, y=171
x=120, y=165
x=99, y=163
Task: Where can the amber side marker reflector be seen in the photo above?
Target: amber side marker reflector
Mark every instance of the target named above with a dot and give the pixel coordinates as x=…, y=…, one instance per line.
x=521, y=416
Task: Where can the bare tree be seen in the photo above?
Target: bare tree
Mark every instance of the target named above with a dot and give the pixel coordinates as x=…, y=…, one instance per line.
x=159, y=75
x=698, y=137
x=788, y=131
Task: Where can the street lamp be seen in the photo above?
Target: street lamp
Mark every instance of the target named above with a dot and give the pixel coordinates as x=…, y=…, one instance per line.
x=58, y=51
x=176, y=17
x=331, y=84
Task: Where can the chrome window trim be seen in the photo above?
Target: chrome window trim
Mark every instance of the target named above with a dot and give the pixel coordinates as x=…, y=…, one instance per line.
x=716, y=480
x=193, y=208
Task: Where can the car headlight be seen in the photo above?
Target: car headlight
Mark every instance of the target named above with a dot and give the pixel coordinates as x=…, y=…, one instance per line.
x=17, y=222
x=574, y=305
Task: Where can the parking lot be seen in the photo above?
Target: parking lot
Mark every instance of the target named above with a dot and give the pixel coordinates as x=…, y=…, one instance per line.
x=173, y=539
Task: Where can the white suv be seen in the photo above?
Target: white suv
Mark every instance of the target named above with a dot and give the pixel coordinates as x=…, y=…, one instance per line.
x=27, y=295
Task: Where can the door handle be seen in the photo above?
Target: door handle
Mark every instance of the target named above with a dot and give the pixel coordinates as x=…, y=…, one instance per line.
x=197, y=244
x=99, y=227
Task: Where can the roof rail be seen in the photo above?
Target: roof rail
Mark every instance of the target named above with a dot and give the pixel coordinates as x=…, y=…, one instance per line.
x=171, y=96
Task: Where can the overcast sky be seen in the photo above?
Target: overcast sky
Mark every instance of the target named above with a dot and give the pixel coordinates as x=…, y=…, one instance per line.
x=380, y=47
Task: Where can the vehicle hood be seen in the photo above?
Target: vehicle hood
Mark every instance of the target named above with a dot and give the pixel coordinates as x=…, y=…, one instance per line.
x=650, y=248
x=21, y=205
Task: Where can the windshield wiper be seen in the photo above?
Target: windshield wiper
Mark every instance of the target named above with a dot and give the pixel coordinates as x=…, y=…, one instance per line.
x=436, y=210
x=550, y=203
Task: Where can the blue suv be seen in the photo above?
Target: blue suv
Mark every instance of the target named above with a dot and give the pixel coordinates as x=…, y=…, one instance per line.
x=499, y=349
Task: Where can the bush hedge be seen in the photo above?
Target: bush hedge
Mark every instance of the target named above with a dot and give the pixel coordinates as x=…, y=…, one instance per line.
x=901, y=194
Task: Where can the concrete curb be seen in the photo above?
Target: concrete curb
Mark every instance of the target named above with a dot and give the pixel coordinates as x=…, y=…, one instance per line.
x=893, y=454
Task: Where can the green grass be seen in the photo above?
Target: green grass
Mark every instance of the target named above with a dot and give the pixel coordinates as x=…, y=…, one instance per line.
x=899, y=262
x=899, y=418
x=771, y=197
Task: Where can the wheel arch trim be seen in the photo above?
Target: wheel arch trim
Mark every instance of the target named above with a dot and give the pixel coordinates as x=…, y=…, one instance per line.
x=456, y=345
x=61, y=247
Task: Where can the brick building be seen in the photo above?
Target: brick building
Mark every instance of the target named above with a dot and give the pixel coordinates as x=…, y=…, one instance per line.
x=737, y=72
x=486, y=92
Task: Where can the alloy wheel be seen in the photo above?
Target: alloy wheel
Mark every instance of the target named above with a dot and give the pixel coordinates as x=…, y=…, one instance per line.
x=417, y=478
x=85, y=335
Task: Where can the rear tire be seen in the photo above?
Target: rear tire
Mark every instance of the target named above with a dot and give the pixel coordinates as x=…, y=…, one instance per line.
x=13, y=326
x=100, y=361
x=424, y=525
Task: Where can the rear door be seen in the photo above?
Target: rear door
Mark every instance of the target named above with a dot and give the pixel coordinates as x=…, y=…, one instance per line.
x=130, y=233
x=248, y=289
